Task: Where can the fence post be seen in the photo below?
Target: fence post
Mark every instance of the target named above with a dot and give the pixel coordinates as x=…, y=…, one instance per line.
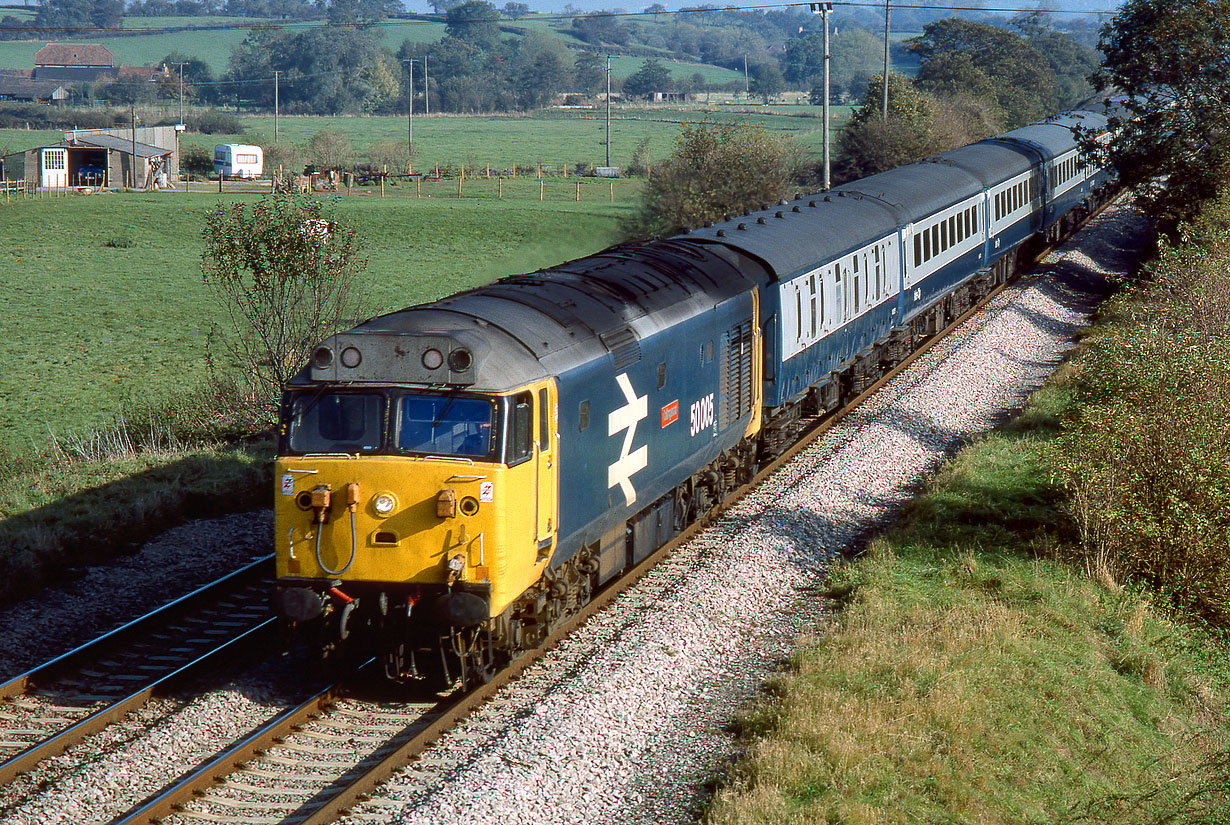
x=488, y=171
x=540, y=170
x=501, y=189
x=541, y=183
x=565, y=170
x=578, y=191
x=459, y=180
x=418, y=186
x=612, y=190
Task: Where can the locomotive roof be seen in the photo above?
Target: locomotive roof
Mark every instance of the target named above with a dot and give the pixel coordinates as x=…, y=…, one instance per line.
x=526, y=327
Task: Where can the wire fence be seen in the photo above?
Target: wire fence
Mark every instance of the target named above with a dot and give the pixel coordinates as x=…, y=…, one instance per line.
x=493, y=185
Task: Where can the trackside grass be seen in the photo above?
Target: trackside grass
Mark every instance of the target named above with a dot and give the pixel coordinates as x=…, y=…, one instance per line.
x=974, y=676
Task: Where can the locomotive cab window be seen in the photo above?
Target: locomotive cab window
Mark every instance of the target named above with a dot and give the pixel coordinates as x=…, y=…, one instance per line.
x=583, y=416
x=521, y=429
x=448, y=425
x=336, y=423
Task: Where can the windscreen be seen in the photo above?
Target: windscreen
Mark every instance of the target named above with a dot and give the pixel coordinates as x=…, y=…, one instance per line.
x=337, y=423
x=445, y=425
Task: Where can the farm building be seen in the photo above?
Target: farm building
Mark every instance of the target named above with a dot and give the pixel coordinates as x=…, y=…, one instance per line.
x=73, y=62
x=27, y=90
x=106, y=158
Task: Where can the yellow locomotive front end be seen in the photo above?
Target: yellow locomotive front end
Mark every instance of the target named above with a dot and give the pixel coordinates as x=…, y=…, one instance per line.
x=409, y=516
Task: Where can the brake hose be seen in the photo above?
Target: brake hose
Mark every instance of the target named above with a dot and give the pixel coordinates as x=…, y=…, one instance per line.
x=354, y=546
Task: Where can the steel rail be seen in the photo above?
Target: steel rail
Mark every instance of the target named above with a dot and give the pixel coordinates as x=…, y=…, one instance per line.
x=21, y=683
x=331, y=802
x=59, y=740
x=101, y=718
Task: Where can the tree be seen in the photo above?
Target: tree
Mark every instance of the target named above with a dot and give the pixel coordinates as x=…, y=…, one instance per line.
x=716, y=168
x=475, y=22
x=288, y=275
x=767, y=81
x=331, y=149
x=515, y=11
x=651, y=77
x=1167, y=59
x=962, y=57
x=601, y=27
x=918, y=125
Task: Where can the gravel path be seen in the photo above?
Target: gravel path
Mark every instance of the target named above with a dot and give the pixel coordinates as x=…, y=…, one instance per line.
x=628, y=720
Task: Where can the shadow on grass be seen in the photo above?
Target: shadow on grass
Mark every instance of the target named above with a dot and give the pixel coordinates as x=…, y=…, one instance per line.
x=50, y=543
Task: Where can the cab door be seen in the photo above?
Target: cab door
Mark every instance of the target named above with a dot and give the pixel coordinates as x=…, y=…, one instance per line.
x=547, y=467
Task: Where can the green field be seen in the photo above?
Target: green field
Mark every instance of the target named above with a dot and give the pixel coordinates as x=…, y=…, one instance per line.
x=550, y=137
x=105, y=308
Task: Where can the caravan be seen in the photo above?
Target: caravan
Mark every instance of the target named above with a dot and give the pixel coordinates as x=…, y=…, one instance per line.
x=235, y=160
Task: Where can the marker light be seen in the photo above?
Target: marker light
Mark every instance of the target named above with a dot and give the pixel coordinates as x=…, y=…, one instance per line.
x=433, y=359
x=351, y=357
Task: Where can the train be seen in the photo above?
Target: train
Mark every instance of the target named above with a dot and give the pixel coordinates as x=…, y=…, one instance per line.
x=456, y=478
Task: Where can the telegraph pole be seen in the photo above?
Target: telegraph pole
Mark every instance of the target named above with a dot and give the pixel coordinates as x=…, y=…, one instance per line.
x=426, y=90
x=275, y=106
x=884, y=97
x=132, y=110
x=409, y=61
x=608, y=110
x=824, y=11
x=181, y=91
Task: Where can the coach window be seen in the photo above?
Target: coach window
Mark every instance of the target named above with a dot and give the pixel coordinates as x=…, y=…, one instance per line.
x=813, y=305
x=583, y=416
x=856, y=289
x=952, y=229
x=918, y=258
x=935, y=240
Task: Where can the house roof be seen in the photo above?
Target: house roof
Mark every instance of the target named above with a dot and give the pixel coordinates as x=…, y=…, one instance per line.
x=143, y=150
x=74, y=54
x=23, y=86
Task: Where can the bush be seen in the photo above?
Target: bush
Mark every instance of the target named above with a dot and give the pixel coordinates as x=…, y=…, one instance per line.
x=1147, y=462
x=288, y=275
x=716, y=168
x=196, y=160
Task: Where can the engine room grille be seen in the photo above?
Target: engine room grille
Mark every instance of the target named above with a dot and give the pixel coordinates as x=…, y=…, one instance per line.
x=624, y=346
x=735, y=383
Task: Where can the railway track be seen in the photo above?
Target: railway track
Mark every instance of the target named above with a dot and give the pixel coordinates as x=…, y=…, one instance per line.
x=57, y=704
x=319, y=760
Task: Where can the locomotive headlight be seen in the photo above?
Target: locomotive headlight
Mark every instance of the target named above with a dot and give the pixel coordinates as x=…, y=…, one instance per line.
x=433, y=359
x=460, y=360
x=384, y=504
x=322, y=358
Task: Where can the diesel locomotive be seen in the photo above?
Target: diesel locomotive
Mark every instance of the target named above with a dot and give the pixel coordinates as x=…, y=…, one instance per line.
x=455, y=478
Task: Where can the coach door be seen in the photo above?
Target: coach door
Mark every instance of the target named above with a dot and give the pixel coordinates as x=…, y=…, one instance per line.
x=55, y=169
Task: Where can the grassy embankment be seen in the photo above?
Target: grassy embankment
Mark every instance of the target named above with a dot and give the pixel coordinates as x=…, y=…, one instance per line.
x=106, y=316
x=1007, y=653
